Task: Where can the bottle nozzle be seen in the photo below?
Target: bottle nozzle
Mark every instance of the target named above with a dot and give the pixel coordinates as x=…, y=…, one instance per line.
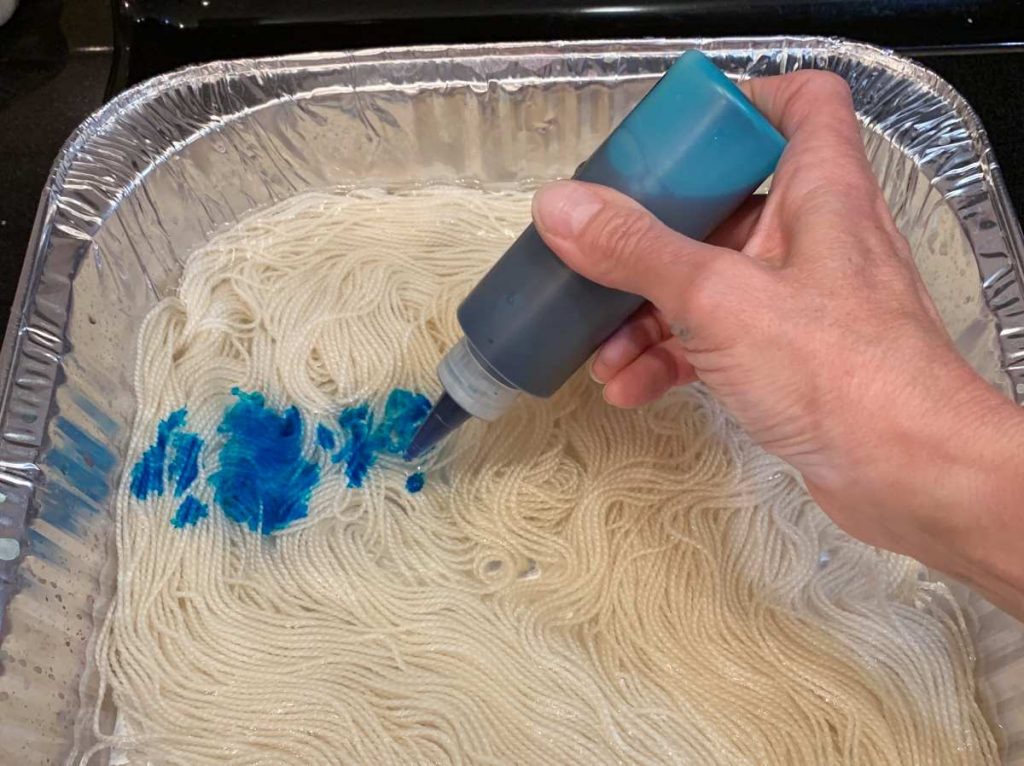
x=444, y=418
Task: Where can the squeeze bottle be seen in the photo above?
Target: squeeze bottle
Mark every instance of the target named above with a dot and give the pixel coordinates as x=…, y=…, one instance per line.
x=690, y=152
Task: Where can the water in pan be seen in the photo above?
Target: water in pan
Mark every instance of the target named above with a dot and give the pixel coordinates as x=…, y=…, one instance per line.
x=390, y=625
x=68, y=545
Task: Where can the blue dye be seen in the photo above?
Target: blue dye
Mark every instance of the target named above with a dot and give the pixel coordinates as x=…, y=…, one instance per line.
x=359, y=452
x=263, y=480
x=404, y=412
x=82, y=459
x=184, y=465
x=79, y=476
x=415, y=482
x=189, y=513
x=93, y=453
x=63, y=507
x=325, y=437
x=46, y=549
x=105, y=423
x=148, y=473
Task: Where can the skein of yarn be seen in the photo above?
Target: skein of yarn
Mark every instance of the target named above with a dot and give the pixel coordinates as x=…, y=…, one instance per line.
x=571, y=584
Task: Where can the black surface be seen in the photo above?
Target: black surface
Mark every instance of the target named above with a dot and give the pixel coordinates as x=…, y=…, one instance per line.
x=54, y=66
x=168, y=33
x=55, y=58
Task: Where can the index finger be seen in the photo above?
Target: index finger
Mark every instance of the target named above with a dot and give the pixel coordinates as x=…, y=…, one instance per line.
x=814, y=110
x=804, y=102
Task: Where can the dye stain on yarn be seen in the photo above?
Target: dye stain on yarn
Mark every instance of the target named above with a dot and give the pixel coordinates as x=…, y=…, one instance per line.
x=189, y=513
x=182, y=447
x=263, y=480
x=365, y=440
x=325, y=437
x=184, y=467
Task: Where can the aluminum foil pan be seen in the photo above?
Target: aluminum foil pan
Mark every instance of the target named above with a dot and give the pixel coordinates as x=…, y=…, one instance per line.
x=150, y=176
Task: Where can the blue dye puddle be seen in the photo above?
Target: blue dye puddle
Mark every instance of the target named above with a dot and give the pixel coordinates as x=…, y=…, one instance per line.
x=415, y=482
x=263, y=479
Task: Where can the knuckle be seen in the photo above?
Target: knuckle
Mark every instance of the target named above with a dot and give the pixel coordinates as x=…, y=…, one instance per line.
x=822, y=84
x=819, y=95
x=710, y=285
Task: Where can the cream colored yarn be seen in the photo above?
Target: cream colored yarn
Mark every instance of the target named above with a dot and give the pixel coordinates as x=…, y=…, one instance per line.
x=574, y=584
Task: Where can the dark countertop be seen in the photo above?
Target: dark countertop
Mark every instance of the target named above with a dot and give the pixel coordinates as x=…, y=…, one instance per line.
x=58, y=61
x=54, y=65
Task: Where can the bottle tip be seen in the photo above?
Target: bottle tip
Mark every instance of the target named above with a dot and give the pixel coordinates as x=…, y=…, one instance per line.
x=444, y=418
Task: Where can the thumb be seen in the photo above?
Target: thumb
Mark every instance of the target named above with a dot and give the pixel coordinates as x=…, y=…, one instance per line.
x=612, y=240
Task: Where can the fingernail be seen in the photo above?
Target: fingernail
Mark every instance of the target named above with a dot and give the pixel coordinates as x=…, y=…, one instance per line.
x=563, y=208
x=606, y=396
x=616, y=351
x=593, y=375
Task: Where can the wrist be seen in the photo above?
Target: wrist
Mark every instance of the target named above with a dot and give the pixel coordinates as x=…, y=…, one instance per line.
x=975, y=489
x=941, y=478
x=994, y=559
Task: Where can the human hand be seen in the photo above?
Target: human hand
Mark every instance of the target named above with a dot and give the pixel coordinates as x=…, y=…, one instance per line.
x=806, y=317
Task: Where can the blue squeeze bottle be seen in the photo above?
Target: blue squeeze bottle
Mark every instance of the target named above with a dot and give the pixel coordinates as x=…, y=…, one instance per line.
x=691, y=152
